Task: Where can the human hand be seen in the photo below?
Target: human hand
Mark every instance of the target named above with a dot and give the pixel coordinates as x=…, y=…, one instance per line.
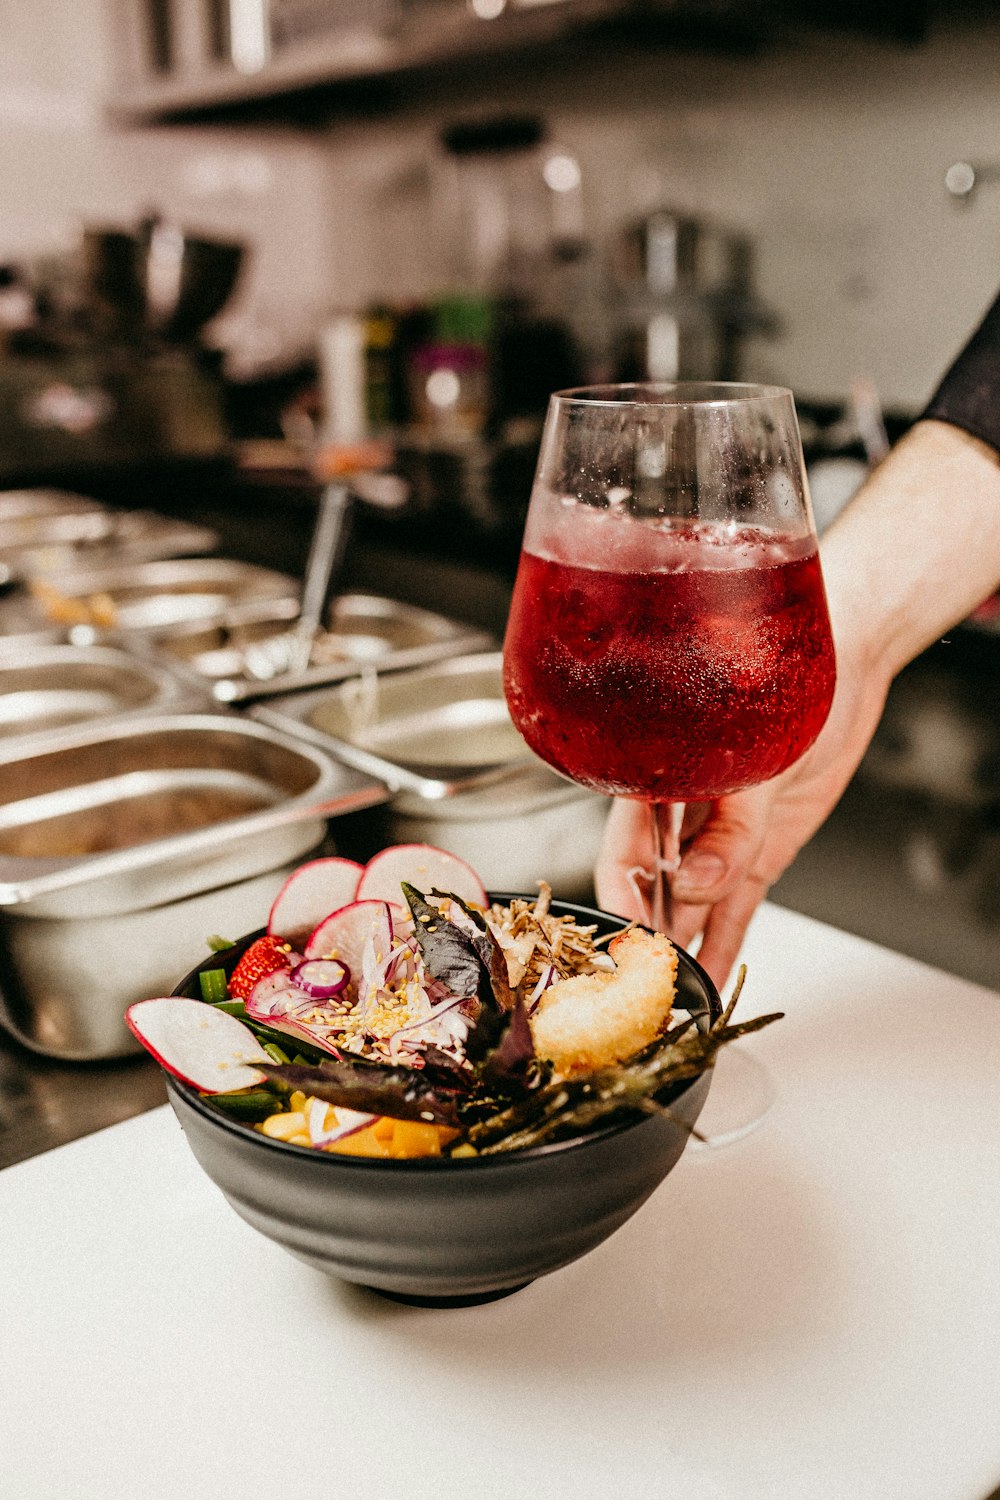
x=734, y=849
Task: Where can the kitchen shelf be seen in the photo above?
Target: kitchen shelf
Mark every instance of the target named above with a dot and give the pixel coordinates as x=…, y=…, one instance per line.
x=361, y=63
x=424, y=36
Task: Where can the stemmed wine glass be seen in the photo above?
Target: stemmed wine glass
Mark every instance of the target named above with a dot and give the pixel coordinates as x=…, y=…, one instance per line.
x=668, y=637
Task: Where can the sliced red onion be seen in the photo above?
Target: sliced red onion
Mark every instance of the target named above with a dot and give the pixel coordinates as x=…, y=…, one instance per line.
x=277, y=1002
x=446, y=1026
x=349, y=1122
x=322, y=977
x=545, y=978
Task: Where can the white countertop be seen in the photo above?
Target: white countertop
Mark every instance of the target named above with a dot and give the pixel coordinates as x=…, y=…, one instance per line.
x=808, y=1313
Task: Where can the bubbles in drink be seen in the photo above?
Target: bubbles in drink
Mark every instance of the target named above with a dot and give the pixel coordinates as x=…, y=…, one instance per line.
x=669, y=660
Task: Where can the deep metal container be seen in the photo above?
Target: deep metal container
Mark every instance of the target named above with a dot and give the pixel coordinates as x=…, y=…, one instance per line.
x=120, y=845
x=44, y=532
x=243, y=657
x=52, y=686
x=36, y=517
x=442, y=740
x=141, y=599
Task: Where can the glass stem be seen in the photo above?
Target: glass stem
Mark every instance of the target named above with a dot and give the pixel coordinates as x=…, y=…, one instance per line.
x=666, y=819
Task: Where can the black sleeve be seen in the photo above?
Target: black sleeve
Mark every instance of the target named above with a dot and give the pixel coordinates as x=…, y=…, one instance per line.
x=969, y=394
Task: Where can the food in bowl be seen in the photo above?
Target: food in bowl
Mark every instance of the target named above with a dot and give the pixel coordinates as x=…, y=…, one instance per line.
x=384, y=1018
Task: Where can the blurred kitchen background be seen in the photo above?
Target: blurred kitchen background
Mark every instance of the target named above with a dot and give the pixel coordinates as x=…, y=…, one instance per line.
x=248, y=245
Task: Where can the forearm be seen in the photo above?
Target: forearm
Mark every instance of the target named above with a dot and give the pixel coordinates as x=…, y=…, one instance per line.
x=917, y=548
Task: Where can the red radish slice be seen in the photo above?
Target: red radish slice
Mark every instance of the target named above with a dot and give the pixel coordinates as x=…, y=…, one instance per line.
x=343, y=933
x=275, y=1001
x=261, y=1003
x=310, y=893
x=423, y=866
x=198, y=1044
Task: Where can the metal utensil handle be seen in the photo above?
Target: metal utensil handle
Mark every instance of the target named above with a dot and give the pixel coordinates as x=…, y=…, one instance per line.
x=334, y=503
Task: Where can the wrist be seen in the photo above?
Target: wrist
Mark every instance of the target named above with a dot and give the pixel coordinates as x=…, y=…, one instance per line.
x=916, y=550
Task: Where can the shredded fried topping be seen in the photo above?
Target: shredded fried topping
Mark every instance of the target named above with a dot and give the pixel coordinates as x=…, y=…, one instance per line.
x=533, y=939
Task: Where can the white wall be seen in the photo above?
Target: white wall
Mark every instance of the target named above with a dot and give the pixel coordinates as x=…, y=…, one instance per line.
x=62, y=167
x=831, y=153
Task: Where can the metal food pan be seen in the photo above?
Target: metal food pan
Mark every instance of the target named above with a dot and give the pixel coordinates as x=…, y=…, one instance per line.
x=48, y=687
x=125, y=815
x=142, y=598
x=31, y=517
x=129, y=536
x=243, y=659
x=461, y=777
x=433, y=731
x=122, y=848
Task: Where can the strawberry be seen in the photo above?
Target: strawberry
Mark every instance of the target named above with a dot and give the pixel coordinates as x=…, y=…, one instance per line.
x=263, y=957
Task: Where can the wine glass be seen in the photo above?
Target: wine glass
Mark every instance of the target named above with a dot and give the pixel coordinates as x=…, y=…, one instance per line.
x=668, y=637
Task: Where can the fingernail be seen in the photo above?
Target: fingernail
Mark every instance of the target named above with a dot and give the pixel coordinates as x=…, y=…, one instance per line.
x=699, y=872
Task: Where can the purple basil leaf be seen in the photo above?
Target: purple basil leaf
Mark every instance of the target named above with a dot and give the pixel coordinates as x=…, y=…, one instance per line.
x=509, y=1061
x=401, y=1092
x=449, y=954
x=492, y=956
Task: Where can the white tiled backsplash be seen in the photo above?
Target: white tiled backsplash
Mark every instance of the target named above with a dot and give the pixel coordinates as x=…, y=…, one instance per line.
x=830, y=154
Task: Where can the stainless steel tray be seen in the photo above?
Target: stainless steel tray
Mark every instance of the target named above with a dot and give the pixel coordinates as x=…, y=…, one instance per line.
x=434, y=731
x=133, y=814
x=31, y=517
x=142, y=598
x=44, y=688
x=116, y=537
x=361, y=632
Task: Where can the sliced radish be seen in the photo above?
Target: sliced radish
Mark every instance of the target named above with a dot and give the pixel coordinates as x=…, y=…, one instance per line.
x=342, y=935
x=277, y=1002
x=310, y=893
x=423, y=866
x=198, y=1044
x=260, y=1003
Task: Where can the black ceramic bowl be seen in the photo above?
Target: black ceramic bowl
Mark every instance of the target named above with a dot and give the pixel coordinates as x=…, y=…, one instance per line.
x=442, y=1231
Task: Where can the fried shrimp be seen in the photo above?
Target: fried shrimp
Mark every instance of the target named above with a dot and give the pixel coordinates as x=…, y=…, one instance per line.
x=592, y=1020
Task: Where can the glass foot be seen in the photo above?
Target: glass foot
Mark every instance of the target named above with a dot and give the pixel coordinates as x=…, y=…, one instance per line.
x=742, y=1092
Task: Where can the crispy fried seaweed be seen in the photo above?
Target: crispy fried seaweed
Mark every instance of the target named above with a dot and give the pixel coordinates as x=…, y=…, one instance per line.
x=643, y=1084
x=376, y=1088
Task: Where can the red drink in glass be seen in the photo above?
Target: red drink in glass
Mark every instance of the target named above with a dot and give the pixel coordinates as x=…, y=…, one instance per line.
x=672, y=661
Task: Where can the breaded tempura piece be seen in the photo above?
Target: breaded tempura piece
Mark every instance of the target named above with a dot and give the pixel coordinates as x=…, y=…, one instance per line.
x=592, y=1020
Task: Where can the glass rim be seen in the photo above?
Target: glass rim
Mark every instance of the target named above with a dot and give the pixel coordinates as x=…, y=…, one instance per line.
x=673, y=394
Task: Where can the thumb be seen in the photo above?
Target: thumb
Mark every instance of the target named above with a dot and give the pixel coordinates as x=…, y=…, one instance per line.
x=722, y=854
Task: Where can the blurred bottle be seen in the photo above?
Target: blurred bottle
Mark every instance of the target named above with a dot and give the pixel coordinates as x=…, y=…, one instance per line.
x=509, y=215
x=343, y=379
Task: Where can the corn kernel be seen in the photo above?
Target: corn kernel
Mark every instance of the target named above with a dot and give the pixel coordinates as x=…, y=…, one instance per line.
x=298, y=1101
x=283, y=1127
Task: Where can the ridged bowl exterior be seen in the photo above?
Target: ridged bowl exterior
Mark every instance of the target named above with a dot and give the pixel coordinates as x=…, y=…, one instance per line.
x=436, y=1229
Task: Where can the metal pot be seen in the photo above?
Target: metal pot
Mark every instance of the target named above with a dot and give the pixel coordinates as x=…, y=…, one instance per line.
x=159, y=280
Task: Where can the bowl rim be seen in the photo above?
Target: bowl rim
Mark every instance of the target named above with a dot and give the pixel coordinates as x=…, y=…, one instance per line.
x=195, y=1100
